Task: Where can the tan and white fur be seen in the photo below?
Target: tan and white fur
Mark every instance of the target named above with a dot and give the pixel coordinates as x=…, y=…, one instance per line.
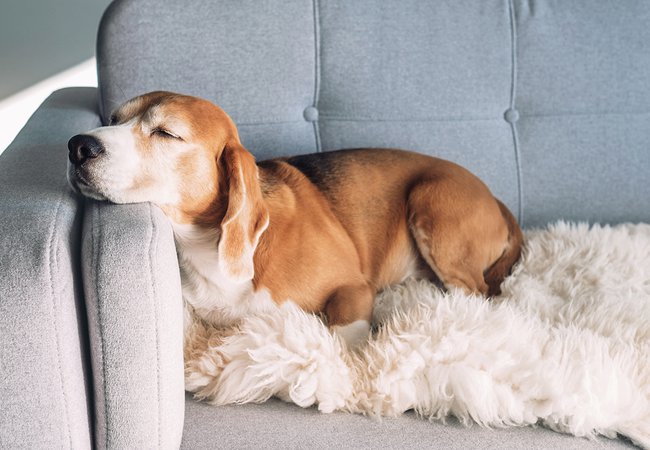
x=327, y=231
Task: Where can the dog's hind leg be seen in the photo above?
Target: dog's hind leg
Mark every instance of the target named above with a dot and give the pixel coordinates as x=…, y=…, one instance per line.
x=349, y=311
x=459, y=231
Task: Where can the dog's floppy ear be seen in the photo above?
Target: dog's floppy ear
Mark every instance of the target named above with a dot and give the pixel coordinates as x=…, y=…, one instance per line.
x=246, y=216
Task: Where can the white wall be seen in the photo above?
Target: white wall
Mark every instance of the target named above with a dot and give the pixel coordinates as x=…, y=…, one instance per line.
x=44, y=45
x=17, y=109
x=40, y=38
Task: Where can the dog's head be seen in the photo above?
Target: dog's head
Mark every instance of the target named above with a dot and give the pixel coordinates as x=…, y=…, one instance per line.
x=160, y=147
x=181, y=153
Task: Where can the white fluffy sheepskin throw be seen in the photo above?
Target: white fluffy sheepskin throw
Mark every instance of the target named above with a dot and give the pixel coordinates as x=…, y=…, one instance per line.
x=566, y=345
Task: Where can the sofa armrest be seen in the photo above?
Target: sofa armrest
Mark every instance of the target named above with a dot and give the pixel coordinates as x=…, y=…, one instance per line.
x=133, y=295
x=44, y=375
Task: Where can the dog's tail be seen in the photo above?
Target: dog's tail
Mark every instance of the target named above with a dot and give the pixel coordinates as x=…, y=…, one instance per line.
x=501, y=268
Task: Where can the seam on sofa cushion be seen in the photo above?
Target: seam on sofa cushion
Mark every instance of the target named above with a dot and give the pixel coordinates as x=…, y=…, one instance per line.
x=411, y=119
x=152, y=282
x=95, y=233
x=85, y=344
x=51, y=252
x=317, y=69
x=513, y=96
x=270, y=122
x=587, y=114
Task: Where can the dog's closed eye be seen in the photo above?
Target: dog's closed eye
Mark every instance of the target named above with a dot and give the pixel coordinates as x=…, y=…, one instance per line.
x=164, y=133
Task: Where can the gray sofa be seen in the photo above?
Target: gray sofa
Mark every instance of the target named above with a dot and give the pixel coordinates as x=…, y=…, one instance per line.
x=547, y=101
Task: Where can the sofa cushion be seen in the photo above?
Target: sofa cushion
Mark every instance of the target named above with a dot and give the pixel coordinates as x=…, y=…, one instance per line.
x=546, y=101
x=45, y=381
x=253, y=58
x=583, y=93
x=135, y=319
x=276, y=424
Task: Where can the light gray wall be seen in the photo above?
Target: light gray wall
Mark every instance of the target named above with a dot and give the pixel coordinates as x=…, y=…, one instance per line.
x=39, y=38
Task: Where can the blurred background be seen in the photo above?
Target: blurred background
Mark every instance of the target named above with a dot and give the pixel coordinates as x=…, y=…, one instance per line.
x=44, y=45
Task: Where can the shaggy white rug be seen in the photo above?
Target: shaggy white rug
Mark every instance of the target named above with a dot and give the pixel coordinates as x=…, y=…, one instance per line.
x=566, y=345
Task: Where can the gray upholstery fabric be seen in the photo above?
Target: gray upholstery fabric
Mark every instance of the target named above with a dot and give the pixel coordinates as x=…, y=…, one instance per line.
x=429, y=76
x=275, y=424
x=583, y=92
x=133, y=296
x=44, y=378
x=255, y=57
x=547, y=101
x=436, y=77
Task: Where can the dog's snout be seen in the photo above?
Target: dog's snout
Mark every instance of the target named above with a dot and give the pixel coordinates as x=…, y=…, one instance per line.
x=83, y=147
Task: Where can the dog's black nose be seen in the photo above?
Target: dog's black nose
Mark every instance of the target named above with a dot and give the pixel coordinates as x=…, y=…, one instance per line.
x=82, y=148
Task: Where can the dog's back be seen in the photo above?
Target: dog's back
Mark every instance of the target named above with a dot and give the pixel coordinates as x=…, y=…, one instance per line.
x=394, y=202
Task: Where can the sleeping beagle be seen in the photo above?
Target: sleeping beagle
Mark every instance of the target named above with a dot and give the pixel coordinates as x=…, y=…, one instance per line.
x=326, y=231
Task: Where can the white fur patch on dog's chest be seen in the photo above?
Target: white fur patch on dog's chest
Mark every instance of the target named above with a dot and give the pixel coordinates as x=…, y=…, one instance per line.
x=213, y=295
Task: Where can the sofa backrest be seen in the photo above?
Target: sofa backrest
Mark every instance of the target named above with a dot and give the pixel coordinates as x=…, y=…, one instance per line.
x=548, y=101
